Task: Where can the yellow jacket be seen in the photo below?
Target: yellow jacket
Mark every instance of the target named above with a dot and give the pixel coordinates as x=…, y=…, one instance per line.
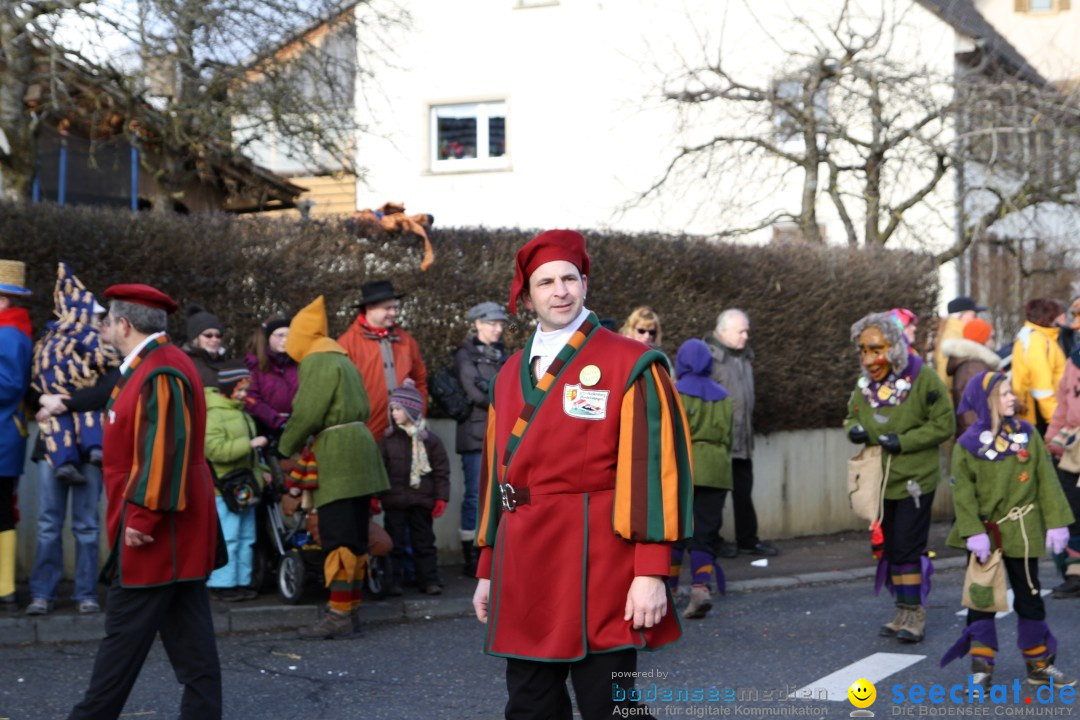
x=1037, y=366
x=951, y=328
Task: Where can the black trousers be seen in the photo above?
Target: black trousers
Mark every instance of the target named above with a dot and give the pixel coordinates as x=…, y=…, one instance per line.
x=1026, y=604
x=906, y=529
x=7, y=502
x=413, y=523
x=708, y=517
x=345, y=523
x=1072, y=494
x=538, y=689
x=180, y=612
x=742, y=503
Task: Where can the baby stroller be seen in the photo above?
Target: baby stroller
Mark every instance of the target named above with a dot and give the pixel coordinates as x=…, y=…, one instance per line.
x=286, y=551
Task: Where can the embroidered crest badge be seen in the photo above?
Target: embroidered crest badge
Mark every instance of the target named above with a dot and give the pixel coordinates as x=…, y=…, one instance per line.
x=584, y=404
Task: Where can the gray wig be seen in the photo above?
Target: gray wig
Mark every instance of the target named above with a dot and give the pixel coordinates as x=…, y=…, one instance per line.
x=894, y=335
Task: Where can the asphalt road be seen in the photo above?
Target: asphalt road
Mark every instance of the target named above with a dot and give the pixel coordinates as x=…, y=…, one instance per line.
x=761, y=645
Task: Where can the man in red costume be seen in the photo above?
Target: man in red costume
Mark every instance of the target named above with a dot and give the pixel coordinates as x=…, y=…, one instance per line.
x=587, y=459
x=383, y=353
x=161, y=518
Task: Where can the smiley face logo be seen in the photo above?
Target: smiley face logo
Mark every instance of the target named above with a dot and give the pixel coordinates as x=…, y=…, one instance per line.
x=862, y=693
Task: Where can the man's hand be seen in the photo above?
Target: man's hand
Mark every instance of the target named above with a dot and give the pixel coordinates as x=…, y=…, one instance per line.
x=646, y=602
x=134, y=538
x=54, y=404
x=480, y=599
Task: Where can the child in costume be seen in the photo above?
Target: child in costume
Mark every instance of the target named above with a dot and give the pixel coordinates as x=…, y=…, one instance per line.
x=1006, y=495
x=232, y=444
x=419, y=472
x=709, y=417
x=71, y=357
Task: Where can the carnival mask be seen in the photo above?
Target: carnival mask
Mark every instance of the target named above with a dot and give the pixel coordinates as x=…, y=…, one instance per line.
x=873, y=351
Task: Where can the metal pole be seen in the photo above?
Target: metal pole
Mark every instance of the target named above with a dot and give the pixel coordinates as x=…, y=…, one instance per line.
x=61, y=193
x=134, y=176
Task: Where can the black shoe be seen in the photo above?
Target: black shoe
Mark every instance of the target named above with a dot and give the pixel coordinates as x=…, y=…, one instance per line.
x=70, y=475
x=1068, y=589
x=728, y=550
x=230, y=594
x=95, y=457
x=761, y=548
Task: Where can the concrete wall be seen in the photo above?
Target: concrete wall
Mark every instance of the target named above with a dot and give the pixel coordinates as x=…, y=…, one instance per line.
x=800, y=488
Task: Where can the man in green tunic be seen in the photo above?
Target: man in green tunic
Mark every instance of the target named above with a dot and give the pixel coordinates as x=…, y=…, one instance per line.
x=340, y=465
x=902, y=406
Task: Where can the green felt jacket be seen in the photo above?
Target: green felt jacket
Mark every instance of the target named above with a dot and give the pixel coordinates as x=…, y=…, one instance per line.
x=710, y=437
x=989, y=489
x=332, y=406
x=922, y=422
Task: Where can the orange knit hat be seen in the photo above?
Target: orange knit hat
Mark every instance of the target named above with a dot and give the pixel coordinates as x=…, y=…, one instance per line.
x=977, y=330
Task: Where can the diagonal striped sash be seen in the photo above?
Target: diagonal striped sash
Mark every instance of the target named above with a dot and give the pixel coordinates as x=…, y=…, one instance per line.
x=537, y=395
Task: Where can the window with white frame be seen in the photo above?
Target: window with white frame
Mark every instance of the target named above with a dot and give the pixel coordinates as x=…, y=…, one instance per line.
x=468, y=136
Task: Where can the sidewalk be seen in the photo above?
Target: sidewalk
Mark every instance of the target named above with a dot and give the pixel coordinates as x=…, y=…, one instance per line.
x=820, y=559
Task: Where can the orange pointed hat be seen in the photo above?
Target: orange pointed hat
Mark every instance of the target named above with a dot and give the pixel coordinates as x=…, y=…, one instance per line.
x=549, y=245
x=309, y=332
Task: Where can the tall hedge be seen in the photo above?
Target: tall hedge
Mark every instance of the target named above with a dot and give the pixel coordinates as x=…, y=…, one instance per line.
x=801, y=300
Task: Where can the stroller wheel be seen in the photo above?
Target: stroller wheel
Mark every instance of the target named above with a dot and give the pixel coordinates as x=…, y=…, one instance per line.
x=376, y=579
x=291, y=577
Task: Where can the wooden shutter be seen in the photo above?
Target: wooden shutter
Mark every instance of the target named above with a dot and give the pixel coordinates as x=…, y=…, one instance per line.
x=1020, y=6
x=1063, y=5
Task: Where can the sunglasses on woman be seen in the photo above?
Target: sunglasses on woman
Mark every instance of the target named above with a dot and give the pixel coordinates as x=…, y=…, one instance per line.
x=643, y=331
x=210, y=334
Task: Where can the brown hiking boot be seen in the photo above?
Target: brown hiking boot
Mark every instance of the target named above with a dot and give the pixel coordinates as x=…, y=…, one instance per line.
x=982, y=673
x=331, y=625
x=913, y=628
x=890, y=628
x=1043, y=672
x=700, y=603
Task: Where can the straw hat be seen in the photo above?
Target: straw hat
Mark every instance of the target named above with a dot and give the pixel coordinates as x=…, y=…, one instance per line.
x=13, y=278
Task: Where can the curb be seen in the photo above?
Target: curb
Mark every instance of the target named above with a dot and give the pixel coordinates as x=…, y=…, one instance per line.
x=63, y=628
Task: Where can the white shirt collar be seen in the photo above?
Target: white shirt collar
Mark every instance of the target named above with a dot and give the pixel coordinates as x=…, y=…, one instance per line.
x=138, y=348
x=547, y=344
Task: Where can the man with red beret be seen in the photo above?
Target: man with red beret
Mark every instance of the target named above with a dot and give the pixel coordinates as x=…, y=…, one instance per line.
x=587, y=459
x=161, y=518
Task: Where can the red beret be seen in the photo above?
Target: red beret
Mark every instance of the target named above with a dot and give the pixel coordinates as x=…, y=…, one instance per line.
x=549, y=245
x=142, y=295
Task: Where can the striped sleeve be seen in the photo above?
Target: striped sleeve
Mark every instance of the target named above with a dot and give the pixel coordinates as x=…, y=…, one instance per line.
x=490, y=499
x=653, y=478
x=159, y=467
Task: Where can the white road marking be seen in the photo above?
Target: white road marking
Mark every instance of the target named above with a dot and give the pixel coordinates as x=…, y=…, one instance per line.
x=874, y=668
x=1009, y=598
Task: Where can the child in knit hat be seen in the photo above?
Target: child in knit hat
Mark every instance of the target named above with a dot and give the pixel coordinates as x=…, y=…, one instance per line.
x=419, y=472
x=232, y=443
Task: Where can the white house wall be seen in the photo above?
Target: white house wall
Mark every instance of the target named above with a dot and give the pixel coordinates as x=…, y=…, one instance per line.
x=1048, y=40
x=585, y=131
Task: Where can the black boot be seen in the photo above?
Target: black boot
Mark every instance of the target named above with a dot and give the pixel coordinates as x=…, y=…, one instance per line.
x=1068, y=589
x=468, y=554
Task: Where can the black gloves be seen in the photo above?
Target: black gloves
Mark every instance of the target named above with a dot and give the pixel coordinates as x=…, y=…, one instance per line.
x=890, y=443
x=858, y=435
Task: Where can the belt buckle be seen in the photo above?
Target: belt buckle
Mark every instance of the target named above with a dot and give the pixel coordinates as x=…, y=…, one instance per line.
x=508, y=497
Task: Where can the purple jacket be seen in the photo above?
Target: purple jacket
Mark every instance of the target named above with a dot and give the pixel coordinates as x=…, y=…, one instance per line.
x=270, y=396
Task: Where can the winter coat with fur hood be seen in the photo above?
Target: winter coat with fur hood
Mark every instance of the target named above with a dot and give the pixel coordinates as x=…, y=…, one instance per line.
x=966, y=359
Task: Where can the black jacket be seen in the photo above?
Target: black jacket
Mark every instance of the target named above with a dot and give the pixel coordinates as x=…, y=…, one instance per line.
x=477, y=364
x=396, y=449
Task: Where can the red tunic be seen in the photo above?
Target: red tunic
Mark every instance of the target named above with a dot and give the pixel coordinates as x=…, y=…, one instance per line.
x=559, y=572
x=155, y=473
